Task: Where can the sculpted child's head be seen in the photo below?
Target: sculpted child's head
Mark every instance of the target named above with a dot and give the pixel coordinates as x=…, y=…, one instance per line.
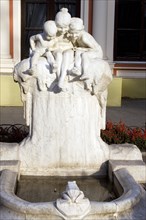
x=50, y=29
x=75, y=28
x=62, y=20
x=76, y=24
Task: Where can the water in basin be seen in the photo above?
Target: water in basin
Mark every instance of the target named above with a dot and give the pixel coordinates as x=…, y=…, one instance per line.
x=46, y=189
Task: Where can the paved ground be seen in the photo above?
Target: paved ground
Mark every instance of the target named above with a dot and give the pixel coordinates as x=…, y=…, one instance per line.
x=132, y=113
x=11, y=115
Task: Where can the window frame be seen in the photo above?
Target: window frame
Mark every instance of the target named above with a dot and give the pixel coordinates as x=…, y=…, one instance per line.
x=141, y=57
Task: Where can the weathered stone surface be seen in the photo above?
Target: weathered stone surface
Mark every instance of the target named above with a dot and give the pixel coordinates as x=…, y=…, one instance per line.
x=9, y=214
x=124, y=152
x=132, y=195
x=131, y=191
x=66, y=130
x=8, y=199
x=137, y=168
x=13, y=165
x=73, y=204
x=9, y=151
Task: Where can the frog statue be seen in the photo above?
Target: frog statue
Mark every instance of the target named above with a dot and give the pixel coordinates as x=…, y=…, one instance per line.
x=73, y=203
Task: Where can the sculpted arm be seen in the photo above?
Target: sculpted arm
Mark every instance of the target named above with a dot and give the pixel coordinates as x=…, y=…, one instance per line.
x=89, y=41
x=91, y=44
x=33, y=40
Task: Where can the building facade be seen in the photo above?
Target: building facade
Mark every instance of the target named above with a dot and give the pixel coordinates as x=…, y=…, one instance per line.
x=119, y=26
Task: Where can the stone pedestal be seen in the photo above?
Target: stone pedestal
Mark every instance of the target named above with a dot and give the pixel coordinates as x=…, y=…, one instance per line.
x=65, y=133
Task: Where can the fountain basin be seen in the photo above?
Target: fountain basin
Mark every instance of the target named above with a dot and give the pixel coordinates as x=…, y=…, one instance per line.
x=129, y=192
x=49, y=188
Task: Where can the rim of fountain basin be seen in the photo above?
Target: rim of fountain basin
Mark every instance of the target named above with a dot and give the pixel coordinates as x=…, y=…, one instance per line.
x=130, y=196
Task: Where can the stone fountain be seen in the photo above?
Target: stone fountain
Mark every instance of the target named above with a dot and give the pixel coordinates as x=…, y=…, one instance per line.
x=63, y=87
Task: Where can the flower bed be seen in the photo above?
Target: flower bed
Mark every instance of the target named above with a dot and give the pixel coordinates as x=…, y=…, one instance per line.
x=119, y=133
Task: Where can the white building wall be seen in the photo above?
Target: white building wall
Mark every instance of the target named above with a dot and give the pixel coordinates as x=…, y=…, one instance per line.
x=84, y=13
x=17, y=30
x=5, y=25
x=103, y=26
x=7, y=62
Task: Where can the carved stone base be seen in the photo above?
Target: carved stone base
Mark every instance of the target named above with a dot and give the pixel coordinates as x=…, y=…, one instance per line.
x=65, y=134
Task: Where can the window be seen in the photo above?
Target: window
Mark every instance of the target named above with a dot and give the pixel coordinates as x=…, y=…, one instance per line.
x=36, y=12
x=130, y=30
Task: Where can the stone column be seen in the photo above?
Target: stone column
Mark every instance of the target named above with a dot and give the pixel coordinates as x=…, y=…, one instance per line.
x=5, y=29
x=100, y=23
x=84, y=13
x=17, y=30
x=6, y=61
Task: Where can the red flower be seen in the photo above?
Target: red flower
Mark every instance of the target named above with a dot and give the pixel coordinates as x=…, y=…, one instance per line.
x=120, y=133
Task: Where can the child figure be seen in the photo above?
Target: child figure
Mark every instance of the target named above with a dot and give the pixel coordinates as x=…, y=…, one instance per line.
x=85, y=49
x=62, y=20
x=43, y=44
x=85, y=46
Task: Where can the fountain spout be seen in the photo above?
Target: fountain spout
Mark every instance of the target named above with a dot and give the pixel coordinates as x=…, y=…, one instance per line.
x=73, y=204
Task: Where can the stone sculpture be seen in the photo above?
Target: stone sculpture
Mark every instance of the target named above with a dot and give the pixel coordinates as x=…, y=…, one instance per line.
x=64, y=90
x=43, y=45
x=73, y=203
x=65, y=64
x=69, y=51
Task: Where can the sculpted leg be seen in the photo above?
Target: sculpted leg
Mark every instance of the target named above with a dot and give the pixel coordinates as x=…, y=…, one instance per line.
x=58, y=58
x=67, y=60
x=78, y=63
x=87, y=57
x=34, y=59
x=33, y=62
x=51, y=60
